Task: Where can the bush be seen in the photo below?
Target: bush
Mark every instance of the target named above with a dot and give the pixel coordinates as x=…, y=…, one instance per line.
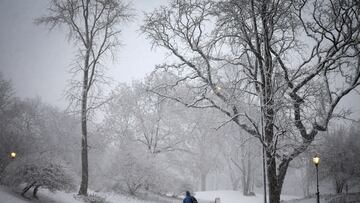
x=43, y=171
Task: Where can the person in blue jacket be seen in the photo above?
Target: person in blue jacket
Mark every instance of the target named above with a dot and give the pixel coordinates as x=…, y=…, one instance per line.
x=188, y=198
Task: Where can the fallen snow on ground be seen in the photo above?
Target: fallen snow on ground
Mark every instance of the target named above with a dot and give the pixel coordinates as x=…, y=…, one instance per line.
x=115, y=198
x=234, y=197
x=6, y=196
x=45, y=196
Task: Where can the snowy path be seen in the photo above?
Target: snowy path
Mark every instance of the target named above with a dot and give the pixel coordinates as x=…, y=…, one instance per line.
x=234, y=197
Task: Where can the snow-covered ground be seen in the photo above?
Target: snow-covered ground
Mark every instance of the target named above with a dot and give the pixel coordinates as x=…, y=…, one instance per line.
x=9, y=196
x=234, y=197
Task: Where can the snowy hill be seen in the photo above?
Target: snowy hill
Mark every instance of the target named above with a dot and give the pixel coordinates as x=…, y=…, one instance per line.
x=9, y=196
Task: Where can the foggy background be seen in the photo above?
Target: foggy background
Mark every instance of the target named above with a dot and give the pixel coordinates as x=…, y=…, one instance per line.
x=37, y=63
x=37, y=60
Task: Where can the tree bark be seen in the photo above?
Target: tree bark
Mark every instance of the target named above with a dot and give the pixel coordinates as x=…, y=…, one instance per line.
x=35, y=191
x=84, y=145
x=27, y=188
x=274, y=189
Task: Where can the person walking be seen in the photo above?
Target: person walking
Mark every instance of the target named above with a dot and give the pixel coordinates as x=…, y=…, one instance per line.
x=189, y=199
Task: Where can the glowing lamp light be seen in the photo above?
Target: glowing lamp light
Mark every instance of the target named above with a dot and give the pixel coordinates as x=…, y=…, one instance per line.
x=316, y=160
x=217, y=89
x=13, y=155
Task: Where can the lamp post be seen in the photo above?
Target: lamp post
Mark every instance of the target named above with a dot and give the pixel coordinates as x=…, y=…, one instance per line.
x=12, y=155
x=316, y=161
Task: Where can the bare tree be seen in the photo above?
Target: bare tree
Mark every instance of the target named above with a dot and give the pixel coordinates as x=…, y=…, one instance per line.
x=143, y=117
x=293, y=60
x=340, y=151
x=204, y=146
x=93, y=27
x=241, y=151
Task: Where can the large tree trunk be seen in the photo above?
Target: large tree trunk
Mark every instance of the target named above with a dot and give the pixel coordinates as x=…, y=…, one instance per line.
x=268, y=113
x=274, y=190
x=84, y=146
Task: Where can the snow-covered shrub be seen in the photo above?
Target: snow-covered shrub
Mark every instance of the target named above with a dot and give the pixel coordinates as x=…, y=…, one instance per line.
x=43, y=171
x=134, y=173
x=129, y=168
x=164, y=181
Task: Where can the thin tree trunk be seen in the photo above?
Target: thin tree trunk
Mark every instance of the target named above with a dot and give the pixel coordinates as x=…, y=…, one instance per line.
x=84, y=146
x=339, y=185
x=27, y=188
x=233, y=179
x=35, y=191
x=85, y=89
x=203, y=182
x=248, y=178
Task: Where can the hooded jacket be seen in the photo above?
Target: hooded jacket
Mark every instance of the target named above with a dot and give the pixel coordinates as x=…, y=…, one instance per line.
x=187, y=199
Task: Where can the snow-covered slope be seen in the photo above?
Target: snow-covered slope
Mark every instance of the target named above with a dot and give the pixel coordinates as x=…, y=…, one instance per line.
x=6, y=196
x=9, y=196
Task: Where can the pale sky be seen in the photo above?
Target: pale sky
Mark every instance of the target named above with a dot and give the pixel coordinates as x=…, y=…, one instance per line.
x=37, y=61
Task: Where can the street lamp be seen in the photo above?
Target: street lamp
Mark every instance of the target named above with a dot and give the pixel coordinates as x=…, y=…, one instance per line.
x=12, y=155
x=316, y=161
